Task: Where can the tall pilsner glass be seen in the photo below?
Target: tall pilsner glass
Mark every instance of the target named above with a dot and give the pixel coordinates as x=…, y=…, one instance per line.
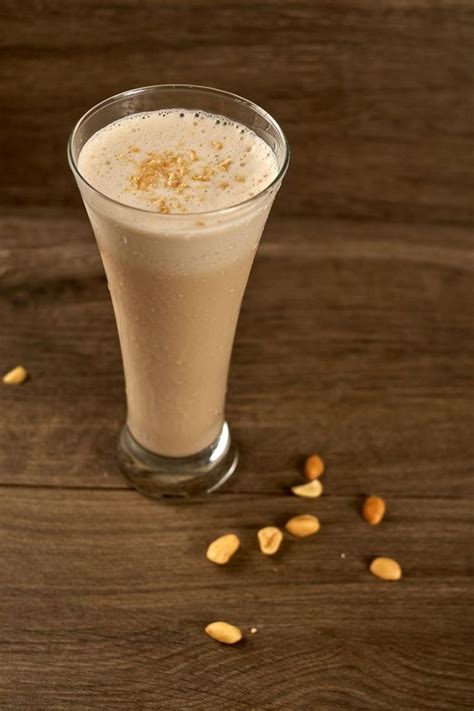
x=177, y=282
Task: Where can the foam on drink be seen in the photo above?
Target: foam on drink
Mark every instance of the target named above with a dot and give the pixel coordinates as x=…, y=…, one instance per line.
x=177, y=161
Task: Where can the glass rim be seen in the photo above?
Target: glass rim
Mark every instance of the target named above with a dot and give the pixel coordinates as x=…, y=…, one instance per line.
x=206, y=89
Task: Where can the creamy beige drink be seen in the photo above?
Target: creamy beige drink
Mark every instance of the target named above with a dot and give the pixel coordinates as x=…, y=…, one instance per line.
x=177, y=266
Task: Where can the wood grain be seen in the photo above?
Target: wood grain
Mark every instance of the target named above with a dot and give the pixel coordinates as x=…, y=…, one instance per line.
x=113, y=612
x=376, y=97
x=356, y=339
x=361, y=326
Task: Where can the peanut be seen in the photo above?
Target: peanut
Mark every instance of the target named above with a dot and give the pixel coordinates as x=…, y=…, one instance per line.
x=15, y=376
x=313, y=467
x=224, y=632
x=269, y=539
x=386, y=569
x=223, y=548
x=302, y=526
x=373, y=510
x=311, y=490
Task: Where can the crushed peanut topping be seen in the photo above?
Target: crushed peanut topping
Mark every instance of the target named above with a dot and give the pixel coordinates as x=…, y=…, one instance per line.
x=160, y=170
x=161, y=206
x=225, y=164
x=218, y=145
x=169, y=169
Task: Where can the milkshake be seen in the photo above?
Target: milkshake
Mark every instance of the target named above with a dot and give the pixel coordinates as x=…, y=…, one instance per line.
x=178, y=199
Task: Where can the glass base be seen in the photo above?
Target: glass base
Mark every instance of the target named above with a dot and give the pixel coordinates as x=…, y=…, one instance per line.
x=177, y=477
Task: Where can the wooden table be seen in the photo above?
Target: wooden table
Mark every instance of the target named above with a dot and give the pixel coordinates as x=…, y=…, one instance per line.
x=355, y=340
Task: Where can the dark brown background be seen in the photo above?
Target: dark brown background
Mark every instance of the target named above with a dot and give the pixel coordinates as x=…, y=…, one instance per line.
x=356, y=339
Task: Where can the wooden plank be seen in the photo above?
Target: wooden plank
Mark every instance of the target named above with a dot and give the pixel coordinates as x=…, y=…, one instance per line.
x=107, y=594
x=376, y=98
x=356, y=340
x=351, y=342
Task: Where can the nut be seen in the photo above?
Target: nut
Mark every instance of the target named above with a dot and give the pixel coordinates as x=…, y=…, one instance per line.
x=386, y=568
x=313, y=467
x=15, y=376
x=373, y=510
x=311, y=490
x=224, y=165
x=223, y=548
x=224, y=632
x=269, y=539
x=302, y=526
